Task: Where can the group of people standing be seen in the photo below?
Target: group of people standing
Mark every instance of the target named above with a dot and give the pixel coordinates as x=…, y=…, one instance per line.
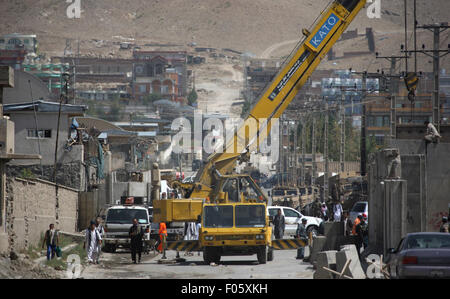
x=95, y=233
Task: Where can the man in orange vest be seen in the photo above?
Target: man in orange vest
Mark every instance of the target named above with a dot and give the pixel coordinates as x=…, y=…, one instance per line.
x=162, y=234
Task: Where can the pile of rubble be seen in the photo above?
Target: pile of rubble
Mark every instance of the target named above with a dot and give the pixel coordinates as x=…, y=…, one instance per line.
x=17, y=266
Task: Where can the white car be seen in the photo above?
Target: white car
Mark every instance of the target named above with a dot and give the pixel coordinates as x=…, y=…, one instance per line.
x=292, y=218
x=118, y=221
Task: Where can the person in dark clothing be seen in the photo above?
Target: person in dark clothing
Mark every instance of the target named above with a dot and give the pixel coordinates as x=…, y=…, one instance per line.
x=361, y=234
x=51, y=240
x=279, y=223
x=136, y=234
x=302, y=235
x=348, y=224
x=444, y=226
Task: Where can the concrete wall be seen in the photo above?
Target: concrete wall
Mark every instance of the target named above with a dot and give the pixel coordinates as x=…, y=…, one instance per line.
x=89, y=208
x=394, y=216
x=118, y=160
x=413, y=168
x=21, y=91
x=437, y=177
x=71, y=175
x=26, y=145
x=377, y=172
x=113, y=188
x=32, y=206
x=415, y=203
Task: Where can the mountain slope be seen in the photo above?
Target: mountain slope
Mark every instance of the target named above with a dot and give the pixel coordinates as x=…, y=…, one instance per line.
x=244, y=25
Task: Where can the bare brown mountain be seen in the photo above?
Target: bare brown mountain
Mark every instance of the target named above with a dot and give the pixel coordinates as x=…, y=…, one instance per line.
x=244, y=25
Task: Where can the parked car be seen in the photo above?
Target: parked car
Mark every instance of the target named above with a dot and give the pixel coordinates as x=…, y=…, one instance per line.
x=421, y=255
x=359, y=208
x=118, y=221
x=189, y=180
x=292, y=218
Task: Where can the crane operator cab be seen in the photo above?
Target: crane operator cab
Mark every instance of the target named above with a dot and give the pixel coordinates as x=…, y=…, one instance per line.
x=235, y=189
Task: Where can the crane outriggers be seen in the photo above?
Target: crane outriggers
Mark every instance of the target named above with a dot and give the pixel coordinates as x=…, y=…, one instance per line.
x=231, y=207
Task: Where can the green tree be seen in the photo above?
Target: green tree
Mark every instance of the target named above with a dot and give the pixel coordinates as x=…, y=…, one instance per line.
x=151, y=98
x=192, y=97
x=114, y=113
x=245, y=108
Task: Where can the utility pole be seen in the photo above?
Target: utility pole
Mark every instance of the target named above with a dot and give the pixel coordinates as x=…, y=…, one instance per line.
x=313, y=149
x=325, y=153
x=363, y=129
x=406, y=35
x=437, y=29
x=280, y=149
x=303, y=173
x=295, y=172
x=365, y=92
x=415, y=36
x=393, y=92
x=342, y=147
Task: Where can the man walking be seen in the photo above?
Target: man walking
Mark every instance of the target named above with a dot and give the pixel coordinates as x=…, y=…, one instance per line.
x=279, y=224
x=101, y=231
x=302, y=235
x=444, y=226
x=51, y=239
x=92, y=242
x=136, y=234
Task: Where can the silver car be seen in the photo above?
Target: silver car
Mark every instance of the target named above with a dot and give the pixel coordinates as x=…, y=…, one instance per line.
x=421, y=255
x=359, y=208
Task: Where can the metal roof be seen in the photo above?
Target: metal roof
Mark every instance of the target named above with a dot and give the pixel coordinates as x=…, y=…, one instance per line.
x=44, y=106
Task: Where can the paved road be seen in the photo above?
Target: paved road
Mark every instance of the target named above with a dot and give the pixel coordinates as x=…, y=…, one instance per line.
x=118, y=266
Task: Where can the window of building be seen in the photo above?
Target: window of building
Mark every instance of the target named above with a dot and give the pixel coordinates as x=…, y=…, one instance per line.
x=14, y=41
x=33, y=133
x=164, y=89
x=159, y=69
x=139, y=69
x=142, y=89
x=26, y=41
x=379, y=140
x=2, y=41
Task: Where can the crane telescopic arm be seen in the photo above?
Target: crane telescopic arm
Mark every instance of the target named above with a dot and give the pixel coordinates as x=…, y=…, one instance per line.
x=294, y=73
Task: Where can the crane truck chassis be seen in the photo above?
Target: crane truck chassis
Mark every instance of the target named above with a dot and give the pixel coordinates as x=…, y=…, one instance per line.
x=223, y=199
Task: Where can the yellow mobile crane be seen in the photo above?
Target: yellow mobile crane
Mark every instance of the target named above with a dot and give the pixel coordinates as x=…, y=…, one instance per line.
x=232, y=208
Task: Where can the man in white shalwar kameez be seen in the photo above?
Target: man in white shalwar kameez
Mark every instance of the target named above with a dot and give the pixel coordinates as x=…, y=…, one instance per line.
x=191, y=234
x=337, y=212
x=91, y=243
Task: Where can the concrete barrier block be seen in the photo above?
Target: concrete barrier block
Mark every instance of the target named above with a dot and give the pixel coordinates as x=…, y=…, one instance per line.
x=317, y=246
x=354, y=270
x=334, y=231
x=325, y=259
x=334, y=228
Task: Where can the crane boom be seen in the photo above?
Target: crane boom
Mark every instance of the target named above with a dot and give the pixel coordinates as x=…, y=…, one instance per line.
x=294, y=73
